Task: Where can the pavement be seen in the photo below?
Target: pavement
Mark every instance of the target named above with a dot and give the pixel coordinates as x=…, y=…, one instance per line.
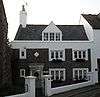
x=89, y=91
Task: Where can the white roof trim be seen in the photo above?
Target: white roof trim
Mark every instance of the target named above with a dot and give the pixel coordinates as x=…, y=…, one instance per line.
x=52, y=28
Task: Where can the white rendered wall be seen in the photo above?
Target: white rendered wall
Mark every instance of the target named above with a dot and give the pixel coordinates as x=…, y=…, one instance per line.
x=97, y=42
x=69, y=87
x=23, y=18
x=88, y=28
x=52, y=45
x=19, y=95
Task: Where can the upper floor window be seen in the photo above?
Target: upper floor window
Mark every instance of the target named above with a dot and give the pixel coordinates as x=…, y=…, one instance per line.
x=22, y=72
x=45, y=36
x=80, y=54
x=57, y=54
x=22, y=54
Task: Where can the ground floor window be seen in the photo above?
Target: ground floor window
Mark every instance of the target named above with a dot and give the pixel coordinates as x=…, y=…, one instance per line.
x=22, y=72
x=57, y=74
x=80, y=73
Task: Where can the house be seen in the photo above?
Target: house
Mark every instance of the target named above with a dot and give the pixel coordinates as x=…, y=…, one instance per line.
x=5, y=65
x=91, y=23
x=66, y=52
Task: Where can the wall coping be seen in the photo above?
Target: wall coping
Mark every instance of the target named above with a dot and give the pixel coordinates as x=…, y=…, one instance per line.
x=46, y=76
x=30, y=77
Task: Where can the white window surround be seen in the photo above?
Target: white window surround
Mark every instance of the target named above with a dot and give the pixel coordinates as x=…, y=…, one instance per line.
x=22, y=54
x=59, y=70
x=78, y=69
x=86, y=54
x=45, y=36
x=51, y=28
x=55, y=38
x=22, y=72
x=63, y=54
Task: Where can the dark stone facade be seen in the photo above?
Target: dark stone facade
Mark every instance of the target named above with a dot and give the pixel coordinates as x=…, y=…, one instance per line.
x=43, y=58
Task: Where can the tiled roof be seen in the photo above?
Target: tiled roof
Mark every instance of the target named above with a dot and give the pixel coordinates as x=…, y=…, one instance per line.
x=93, y=20
x=34, y=32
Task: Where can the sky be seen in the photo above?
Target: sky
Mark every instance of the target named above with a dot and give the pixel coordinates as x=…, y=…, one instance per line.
x=65, y=12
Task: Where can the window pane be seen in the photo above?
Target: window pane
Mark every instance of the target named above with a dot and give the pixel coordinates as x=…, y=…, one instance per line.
x=76, y=74
x=45, y=36
x=80, y=74
x=52, y=73
x=61, y=75
x=79, y=54
x=22, y=53
x=56, y=54
x=51, y=36
x=84, y=74
x=75, y=54
x=52, y=54
x=57, y=75
x=84, y=54
x=57, y=36
x=61, y=54
x=22, y=72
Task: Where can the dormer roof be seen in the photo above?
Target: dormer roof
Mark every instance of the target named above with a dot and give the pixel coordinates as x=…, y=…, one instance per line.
x=52, y=28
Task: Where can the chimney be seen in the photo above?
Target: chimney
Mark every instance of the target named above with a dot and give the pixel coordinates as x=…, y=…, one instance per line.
x=23, y=17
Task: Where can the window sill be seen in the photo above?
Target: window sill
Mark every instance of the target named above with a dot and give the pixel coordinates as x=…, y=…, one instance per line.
x=80, y=60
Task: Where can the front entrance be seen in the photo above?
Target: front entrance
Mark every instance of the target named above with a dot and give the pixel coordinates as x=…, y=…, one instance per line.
x=37, y=71
x=98, y=61
x=40, y=88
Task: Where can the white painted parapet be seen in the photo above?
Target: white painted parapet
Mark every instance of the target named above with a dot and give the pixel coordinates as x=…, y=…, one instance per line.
x=47, y=85
x=66, y=88
x=94, y=67
x=30, y=85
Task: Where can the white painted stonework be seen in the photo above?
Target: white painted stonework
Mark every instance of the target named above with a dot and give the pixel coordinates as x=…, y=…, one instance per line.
x=88, y=29
x=52, y=28
x=23, y=18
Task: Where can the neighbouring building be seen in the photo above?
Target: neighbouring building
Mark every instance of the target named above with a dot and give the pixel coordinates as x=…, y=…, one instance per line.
x=5, y=65
x=67, y=52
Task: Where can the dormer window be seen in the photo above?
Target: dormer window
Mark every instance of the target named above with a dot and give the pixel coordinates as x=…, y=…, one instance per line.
x=45, y=36
x=51, y=36
x=51, y=33
x=57, y=36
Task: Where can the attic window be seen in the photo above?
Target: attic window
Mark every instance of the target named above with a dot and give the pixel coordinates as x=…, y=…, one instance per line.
x=45, y=36
x=51, y=36
x=57, y=36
